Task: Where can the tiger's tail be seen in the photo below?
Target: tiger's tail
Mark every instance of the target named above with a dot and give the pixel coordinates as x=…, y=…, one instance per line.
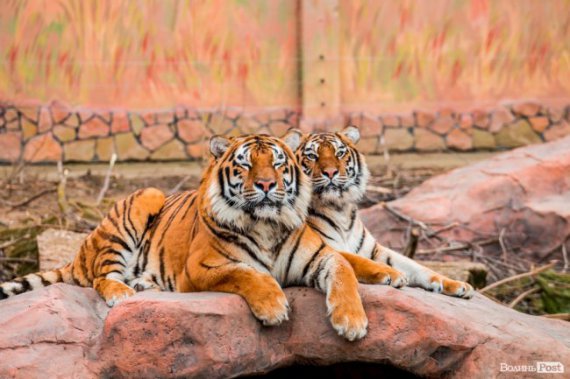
x=36, y=280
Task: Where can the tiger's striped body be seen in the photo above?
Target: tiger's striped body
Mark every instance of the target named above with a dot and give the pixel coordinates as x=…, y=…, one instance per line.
x=243, y=231
x=339, y=175
x=107, y=257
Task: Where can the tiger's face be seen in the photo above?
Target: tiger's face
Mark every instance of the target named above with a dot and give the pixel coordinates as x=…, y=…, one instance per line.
x=257, y=178
x=338, y=171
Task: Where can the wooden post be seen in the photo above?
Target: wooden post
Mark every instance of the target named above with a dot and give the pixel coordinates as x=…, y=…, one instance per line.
x=320, y=76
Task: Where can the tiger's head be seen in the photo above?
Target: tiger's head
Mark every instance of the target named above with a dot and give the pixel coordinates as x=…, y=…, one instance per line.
x=256, y=178
x=338, y=171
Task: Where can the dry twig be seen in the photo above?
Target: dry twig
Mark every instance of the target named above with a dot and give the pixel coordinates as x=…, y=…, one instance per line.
x=32, y=198
x=107, y=179
x=521, y=297
x=533, y=272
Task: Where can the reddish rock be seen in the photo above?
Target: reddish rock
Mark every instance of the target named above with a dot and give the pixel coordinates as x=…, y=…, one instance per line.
x=443, y=125
x=164, y=117
x=459, y=139
x=120, y=122
x=423, y=119
x=65, y=331
x=197, y=151
x=444, y=112
x=191, y=130
x=465, y=121
x=500, y=118
x=525, y=192
x=180, y=111
x=31, y=113
x=556, y=131
x=391, y=120
x=278, y=128
x=369, y=126
x=43, y=148
x=407, y=121
x=556, y=113
x=527, y=108
x=152, y=137
x=59, y=112
x=95, y=127
x=428, y=141
x=368, y=145
x=44, y=123
x=10, y=146
x=539, y=123
x=481, y=119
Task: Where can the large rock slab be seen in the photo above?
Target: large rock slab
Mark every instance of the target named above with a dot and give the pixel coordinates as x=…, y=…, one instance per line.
x=60, y=332
x=525, y=193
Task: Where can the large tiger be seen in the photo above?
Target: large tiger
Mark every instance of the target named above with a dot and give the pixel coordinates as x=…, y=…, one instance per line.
x=340, y=174
x=242, y=231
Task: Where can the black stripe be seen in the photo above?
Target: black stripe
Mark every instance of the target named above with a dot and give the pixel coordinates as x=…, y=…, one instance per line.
x=45, y=282
x=323, y=217
x=161, y=261
x=3, y=295
x=360, y=242
x=234, y=239
x=188, y=208
x=316, y=228
x=170, y=285
x=389, y=261
x=308, y=264
x=292, y=254
x=109, y=262
x=352, y=219
x=171, y=219
x=113, y=238
x=375, y=252
x=131, y=200
x=125, y=211
x=315, y=276
x=25, y=285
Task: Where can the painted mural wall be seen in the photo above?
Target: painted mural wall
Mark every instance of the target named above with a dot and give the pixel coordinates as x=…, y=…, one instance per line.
x=149, y=54
x=153, y=79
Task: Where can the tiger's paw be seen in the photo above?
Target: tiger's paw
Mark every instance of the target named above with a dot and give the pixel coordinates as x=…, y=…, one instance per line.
x=450, y=287
x=389, y=276
x=117, y=296
x=349, y=320
x=272, y=309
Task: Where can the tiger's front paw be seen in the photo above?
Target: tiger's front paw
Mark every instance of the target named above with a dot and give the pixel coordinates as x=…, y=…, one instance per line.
x=389, y=276
x=349, y=320
x=115, y=297
x=450, y=287
x=271, y=309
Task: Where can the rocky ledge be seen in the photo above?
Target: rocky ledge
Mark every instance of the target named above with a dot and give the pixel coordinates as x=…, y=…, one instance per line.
x=65, y=331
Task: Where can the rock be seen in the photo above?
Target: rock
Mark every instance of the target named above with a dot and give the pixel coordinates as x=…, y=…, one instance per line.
x=527, y=109
x=95, y=127
x=526, y=192
x=10, y=146
x=539, y=123
x=483, y=139
x=428, y=141
x=391, y=120
x=65, y=331
x=459, y=139
x=152, y=137
x=58, y=247
x=369, y=126
x=398, y=139
x=423, y=119
x=481, y=119
x=43, y=148
x=128, y=147
x=191, y=130
x=517, y=134
x=173, y=150
x=500, y=118
x=443, y=125
x=79, y=151
x=368, y=145
x=466, y=271
x=558, y=130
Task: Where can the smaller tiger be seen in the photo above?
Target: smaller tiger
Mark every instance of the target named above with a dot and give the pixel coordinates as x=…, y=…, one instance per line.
x=105, y=259
x=339, y=173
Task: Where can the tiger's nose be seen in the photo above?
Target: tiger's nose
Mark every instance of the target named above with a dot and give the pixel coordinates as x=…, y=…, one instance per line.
x=265, y=184
x=330, y=172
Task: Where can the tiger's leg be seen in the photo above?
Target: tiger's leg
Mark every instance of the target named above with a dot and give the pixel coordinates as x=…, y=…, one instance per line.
x=261, y=291
x=372, y=272
x=327, y=271
x=421, y=276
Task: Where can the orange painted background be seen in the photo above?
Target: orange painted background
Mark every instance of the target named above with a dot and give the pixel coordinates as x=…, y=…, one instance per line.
x=216, y=53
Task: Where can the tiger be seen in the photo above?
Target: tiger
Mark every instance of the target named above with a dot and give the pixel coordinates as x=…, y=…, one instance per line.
x=340, y=174
x=243, y=231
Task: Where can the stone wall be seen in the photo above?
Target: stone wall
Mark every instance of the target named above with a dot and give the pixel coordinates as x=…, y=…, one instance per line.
x=57, y=132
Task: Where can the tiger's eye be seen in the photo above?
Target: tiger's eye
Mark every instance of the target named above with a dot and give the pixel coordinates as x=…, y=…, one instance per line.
x=312, y=157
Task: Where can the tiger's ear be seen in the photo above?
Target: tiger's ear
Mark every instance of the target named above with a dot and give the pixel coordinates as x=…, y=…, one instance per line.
x=352, y=133
x=219, y=145
x=293, y=138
